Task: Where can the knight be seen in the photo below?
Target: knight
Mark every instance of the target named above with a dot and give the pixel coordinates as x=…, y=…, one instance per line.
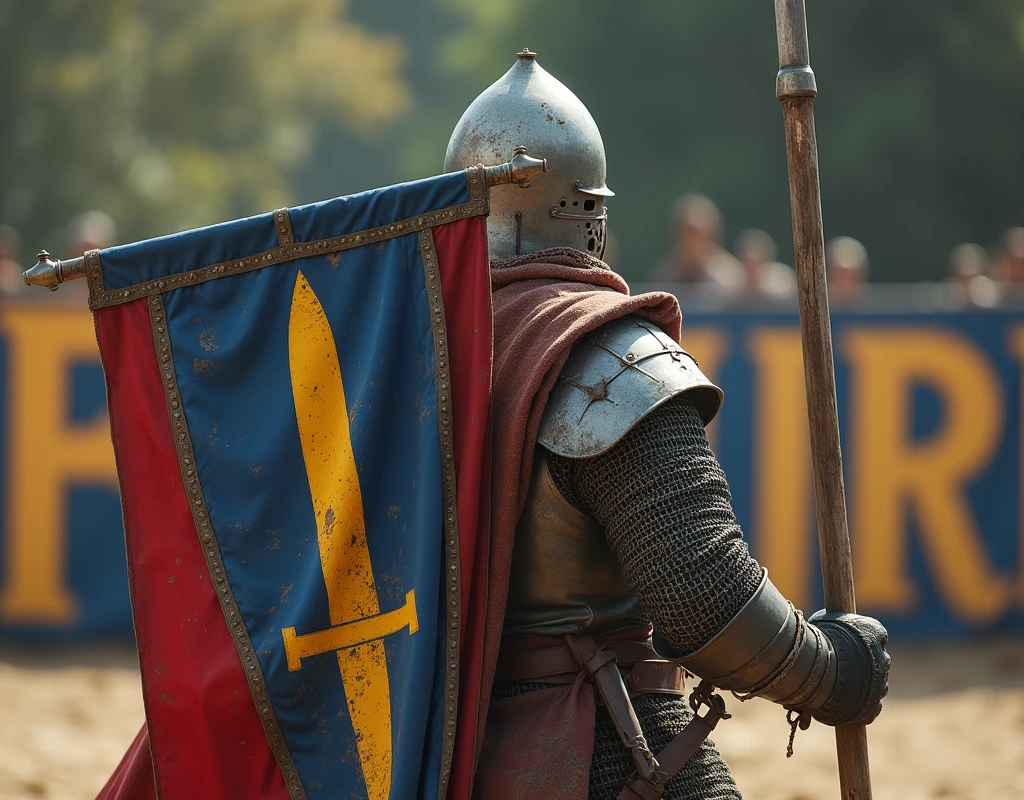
x=618, y=571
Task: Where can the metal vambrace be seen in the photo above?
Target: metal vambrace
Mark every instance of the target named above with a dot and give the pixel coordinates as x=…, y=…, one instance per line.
x=769, y=650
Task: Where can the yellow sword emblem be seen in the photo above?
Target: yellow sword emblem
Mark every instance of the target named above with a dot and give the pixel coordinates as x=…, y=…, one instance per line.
x=357, y=624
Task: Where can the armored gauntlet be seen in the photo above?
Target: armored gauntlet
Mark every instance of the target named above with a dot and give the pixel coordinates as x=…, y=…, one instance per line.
x=862, y=668
x=834, y=666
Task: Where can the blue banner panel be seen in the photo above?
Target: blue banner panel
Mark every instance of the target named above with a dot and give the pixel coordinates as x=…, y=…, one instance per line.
x=930, y=408
x=325, y=526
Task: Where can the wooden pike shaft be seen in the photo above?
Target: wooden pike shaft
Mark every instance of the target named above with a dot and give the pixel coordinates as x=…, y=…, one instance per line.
x=796, y=90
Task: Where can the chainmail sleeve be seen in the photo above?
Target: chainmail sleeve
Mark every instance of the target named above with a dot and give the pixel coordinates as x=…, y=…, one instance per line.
x=664, y=502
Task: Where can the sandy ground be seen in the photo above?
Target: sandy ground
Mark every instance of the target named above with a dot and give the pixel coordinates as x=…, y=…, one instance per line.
x=953, y=727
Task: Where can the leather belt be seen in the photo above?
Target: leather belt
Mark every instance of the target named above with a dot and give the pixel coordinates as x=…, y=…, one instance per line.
x=643, y=670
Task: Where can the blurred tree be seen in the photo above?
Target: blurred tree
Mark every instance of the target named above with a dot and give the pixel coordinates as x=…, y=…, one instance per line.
x=412, y=146
x=168, y=115
x=171, y=115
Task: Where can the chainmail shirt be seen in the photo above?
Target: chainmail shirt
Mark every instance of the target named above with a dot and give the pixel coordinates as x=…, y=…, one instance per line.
x=664, y=503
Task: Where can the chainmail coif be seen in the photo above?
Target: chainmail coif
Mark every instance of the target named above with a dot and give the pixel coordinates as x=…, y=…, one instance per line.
x=665, y=505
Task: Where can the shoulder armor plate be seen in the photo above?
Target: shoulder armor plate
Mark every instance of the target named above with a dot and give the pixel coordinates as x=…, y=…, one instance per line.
x=616, y=376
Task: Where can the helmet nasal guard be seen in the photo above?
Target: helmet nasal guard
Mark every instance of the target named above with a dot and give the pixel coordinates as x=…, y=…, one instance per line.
x=529, y=110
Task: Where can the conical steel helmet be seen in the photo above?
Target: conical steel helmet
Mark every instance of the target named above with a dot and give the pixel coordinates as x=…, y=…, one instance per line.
x=529, y=108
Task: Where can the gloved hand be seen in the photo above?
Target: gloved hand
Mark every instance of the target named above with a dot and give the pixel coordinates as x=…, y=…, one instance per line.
x=863, y=667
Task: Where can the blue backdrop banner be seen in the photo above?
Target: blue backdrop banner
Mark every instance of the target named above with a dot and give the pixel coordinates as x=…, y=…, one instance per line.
x=930, y=409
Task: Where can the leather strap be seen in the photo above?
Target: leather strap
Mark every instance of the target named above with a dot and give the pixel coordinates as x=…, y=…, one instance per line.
x=600, y=665
x=682, y=747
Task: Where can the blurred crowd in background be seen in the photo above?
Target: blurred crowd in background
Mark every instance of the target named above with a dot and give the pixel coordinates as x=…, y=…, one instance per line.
x=747, y=276
x=751, y=276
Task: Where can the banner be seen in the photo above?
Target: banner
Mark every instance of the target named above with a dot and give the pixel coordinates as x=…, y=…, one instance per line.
x=286, y=393
x=930, y=409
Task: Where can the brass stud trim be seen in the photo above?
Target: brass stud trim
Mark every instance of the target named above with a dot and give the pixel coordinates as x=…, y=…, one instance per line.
x=93, y=275
x=432, y=274
x=283, y=223
x=212, y=554
x=100, y=297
